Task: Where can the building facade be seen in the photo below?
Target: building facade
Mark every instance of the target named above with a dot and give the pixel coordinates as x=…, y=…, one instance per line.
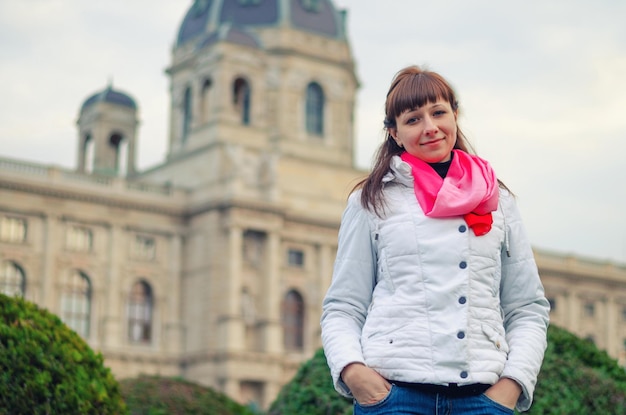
x=588, y=298
x=212, y=265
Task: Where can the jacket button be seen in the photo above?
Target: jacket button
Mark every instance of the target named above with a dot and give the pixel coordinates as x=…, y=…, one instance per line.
x=462, y=300
x=463, y=265
x=464, y=374
x=462, y=228
x=460, y=335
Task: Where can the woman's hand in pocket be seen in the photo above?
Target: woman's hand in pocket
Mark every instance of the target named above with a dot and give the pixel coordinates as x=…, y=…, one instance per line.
x=366, y=385
x=506, y=392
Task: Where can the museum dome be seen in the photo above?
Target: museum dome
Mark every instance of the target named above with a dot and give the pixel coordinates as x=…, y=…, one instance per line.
x=111, y=96
x=228, y=33
x=316, y=16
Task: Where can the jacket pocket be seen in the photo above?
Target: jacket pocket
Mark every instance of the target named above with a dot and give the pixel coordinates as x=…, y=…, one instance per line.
x=496, y=338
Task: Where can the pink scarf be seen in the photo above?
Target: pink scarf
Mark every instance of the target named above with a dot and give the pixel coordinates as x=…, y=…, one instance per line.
x=470, y=189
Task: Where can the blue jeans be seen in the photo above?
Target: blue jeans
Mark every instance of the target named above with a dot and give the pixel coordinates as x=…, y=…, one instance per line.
x=403, y=400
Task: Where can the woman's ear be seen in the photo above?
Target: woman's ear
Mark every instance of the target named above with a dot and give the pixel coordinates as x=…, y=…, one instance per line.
x=393, y=132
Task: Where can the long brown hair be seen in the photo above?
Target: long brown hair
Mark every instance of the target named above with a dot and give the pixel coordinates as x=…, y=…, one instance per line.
x=410, y=88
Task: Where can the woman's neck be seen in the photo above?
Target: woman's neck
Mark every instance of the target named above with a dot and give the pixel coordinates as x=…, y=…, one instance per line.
x=443, y=167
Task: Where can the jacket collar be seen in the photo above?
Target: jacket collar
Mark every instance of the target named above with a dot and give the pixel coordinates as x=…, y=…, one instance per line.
x=400, y=172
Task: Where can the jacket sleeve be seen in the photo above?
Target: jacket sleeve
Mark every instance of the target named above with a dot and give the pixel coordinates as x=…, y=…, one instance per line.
x=348, y=298
x=525, y=307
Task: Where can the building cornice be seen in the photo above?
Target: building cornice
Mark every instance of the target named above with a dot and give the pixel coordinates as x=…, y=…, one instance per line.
x=245, y=357
x=262, y=207
x=87, y=197
x=101, y=190
x=580, y=268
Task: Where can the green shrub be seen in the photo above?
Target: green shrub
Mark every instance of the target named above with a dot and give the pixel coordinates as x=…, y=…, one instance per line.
x=46, y=368
x=311, y=392
x=576, y=378
x=154, y=395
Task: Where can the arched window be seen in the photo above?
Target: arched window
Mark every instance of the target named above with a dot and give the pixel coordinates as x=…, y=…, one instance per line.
x=12, y=279
x=187, y=113
x=241, y=99
x=76, y=302
x=314, y=109
x=293, y=321
x=140, y=307
x=88, y=152
x=205, y=103
x=120, y=153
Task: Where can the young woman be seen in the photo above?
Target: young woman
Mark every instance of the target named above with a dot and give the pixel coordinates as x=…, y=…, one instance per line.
x=436, y=306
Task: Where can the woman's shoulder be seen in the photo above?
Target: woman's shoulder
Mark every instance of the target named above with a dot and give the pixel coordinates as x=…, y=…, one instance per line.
x=506, y=195
x=354, y=213
x=355, y=204
x=508, y=204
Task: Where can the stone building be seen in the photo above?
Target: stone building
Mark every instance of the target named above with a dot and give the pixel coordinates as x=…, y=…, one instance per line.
x=212, y=265
x=587, y=297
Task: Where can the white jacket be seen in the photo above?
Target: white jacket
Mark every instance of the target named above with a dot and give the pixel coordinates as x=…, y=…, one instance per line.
x=424, y=300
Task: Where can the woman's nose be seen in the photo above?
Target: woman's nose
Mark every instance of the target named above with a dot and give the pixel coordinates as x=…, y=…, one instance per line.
x=429, y=126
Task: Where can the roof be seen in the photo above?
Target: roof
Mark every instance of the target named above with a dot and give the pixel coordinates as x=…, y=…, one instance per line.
x=229, y=34
x=316, y=16
x=111, y=96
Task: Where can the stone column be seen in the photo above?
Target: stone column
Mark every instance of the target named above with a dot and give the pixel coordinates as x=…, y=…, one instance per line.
x=561, y=314
x=272, y=296
x=326, y=262
x=82, y=135
x=131, y=153
x=601, y=323
x=112, y=309
x=173, y=333
x=233, y=390
x=230, y=323
x=612, y=341
x=51, y=243
x=573, y=313
x=270, y=392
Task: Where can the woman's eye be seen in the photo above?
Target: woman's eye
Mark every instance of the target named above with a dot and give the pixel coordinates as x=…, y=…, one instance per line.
x=412, y=120
x=439, y=112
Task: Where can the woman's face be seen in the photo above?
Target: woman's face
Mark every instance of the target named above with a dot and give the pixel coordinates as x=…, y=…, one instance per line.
x=428, y=132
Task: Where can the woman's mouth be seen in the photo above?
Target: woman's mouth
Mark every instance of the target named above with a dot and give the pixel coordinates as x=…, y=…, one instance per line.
x=431, y=142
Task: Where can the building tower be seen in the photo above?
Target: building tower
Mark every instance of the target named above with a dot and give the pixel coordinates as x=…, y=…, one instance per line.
x=261, y=135
x=267, y=77
x=107, y=127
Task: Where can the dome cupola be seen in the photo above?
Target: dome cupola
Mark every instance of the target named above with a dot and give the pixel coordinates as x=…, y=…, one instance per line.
x=107, y=127
x=111, y=96
x=316, y=16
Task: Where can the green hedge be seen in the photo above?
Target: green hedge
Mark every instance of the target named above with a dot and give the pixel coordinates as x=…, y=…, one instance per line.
x=154, y=395
x=46, y=368
x=578, y=378
x=311, y=392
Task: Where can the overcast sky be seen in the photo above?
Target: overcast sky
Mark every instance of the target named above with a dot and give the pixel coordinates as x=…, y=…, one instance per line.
x=542, y=88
